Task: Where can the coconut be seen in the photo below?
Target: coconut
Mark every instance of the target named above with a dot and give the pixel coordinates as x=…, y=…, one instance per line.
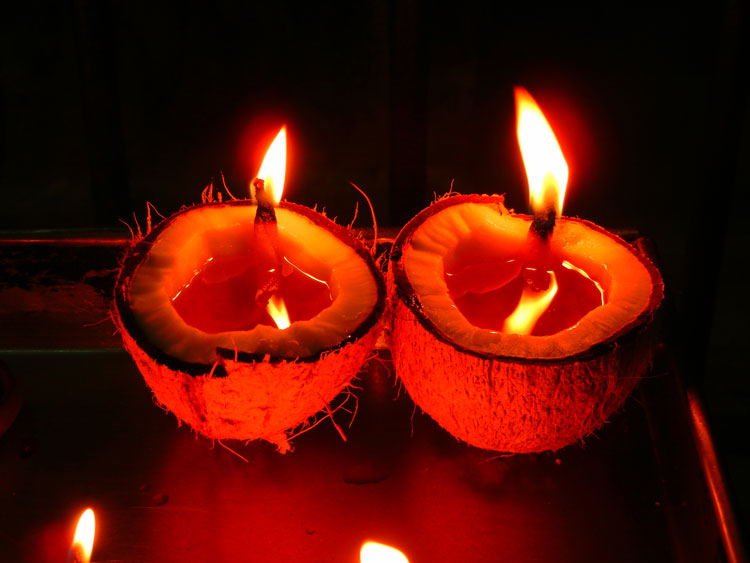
x=264, y=382
x=511, y=392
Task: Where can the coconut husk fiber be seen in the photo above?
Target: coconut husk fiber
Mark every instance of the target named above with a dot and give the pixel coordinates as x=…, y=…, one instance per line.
x=513, y=406
x=256, y=400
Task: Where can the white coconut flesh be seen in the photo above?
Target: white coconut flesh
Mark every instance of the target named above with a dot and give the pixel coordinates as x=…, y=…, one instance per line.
x=614, y=266
x=193, y=237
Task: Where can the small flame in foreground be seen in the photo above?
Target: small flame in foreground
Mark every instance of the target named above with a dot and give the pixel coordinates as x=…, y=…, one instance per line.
x=545, y=165
x=530, y=308
x=374, y=552
x=83, y=540
x=277, y=309
x=273, y=169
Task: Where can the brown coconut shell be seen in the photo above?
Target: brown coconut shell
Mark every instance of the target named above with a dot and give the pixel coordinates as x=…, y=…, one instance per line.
x=507, y=403
x=245, y=396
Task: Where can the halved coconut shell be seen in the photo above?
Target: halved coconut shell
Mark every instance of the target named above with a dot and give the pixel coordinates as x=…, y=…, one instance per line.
x=508, y=392
x=259, y=383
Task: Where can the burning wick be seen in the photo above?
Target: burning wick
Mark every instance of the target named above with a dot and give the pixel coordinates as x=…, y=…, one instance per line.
x=547, y=173
x=266, y=212
x=544, y=217
x=266, y=243
x=546, y=169
x=374, y=552
x=83, y=540
x=267, y=189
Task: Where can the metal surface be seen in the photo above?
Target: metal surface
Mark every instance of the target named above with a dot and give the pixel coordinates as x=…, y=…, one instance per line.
x=730, y=535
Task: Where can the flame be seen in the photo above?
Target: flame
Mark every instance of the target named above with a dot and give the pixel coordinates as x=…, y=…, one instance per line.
x=83, y=540
x=530, y=308
x=277, y=309
x=374, y=552
x=273, y=169
x=545, y=165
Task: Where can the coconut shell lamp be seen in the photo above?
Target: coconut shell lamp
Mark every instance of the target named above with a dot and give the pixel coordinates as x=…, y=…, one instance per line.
x=246, y=318
x=519, y=333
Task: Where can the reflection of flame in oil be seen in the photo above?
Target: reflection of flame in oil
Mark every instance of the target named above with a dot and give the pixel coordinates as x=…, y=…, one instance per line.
x=277, y=309
x=273, y=169
x=546, y=169
x=598, y=286
x=83, y=540
x=289, y=267
x=374, y=552
x=531, y=307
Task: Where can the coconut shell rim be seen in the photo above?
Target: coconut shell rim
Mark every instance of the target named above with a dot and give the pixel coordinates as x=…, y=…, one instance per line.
x=139, y=251
x=407, y=295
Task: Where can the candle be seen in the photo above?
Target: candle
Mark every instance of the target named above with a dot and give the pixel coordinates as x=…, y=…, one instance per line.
x=374, y=552
x=246, y=318
x=519, y=333
x=83, y=540
x=533, y=292
x=232, y=293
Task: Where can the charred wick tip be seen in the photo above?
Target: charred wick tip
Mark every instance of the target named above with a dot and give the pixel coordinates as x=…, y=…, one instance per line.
x=266, y=212
x=544, y=223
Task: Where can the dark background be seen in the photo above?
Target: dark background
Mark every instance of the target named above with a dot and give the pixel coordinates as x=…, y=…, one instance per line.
x=105, y=107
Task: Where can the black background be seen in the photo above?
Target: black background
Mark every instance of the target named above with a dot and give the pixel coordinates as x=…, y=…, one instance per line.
x=105, y=107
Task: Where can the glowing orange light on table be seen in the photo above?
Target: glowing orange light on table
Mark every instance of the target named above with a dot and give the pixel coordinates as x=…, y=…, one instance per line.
x=277, y=310
x=532, y=305
x=83, y=540
x=374, y=552
x=546, y=169
x=273, y=169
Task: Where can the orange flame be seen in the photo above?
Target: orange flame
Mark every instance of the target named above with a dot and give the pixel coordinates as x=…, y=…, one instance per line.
x=83, y=540
x=530, y=308
x=277, y=309
x=374, y=552
x=273, y=169
x=545, y=165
